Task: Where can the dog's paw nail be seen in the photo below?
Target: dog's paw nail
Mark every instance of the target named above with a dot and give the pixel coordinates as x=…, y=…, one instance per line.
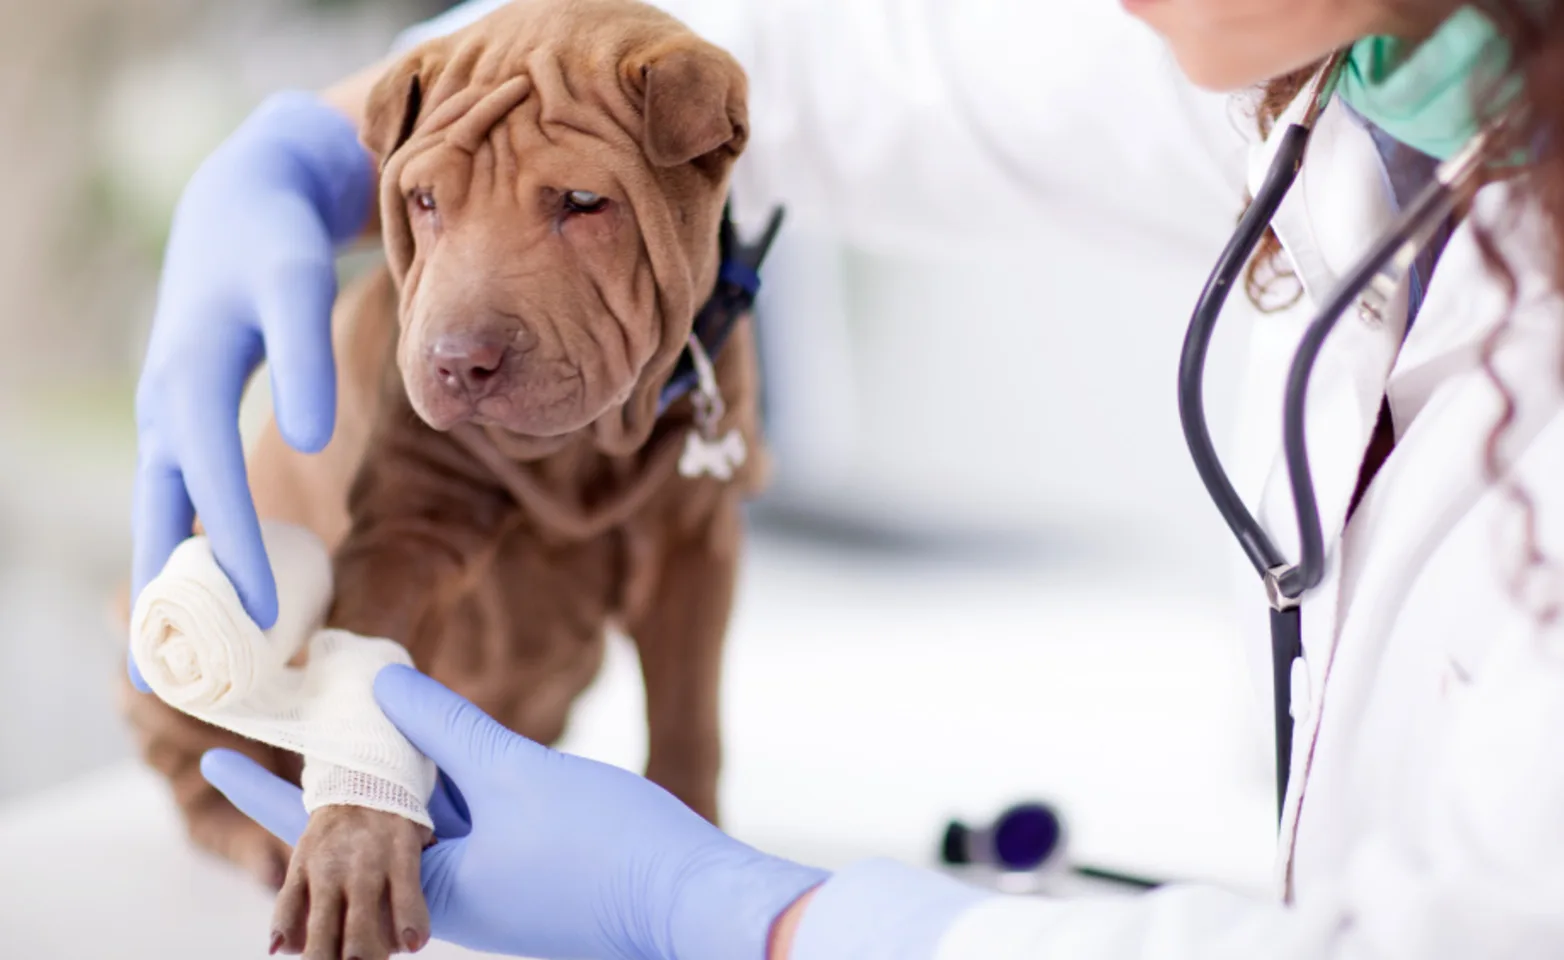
x=277, y=939
x=412, y=940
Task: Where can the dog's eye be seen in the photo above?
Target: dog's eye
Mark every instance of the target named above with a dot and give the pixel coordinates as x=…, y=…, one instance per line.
x=423, y=200
x=584, y=201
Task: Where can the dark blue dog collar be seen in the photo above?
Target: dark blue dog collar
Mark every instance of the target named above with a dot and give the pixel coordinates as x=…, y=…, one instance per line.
x=738, y=284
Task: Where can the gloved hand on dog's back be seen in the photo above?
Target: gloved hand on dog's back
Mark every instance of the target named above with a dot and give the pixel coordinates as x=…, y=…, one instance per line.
x=249, y=274
x=543, y=854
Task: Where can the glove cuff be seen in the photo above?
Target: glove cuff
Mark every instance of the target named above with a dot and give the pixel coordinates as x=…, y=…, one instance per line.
x=320, y=154
x=725, y=910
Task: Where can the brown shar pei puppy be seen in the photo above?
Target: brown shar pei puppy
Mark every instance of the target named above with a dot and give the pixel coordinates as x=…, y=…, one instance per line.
x=502, y=487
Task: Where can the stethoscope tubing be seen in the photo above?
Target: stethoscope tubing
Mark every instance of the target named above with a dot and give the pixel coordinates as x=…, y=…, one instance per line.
x=1371, y=284
x=1197, y=344
x=1286, y=628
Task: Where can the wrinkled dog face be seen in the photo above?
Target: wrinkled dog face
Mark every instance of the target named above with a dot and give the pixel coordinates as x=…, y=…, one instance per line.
x=552, y=186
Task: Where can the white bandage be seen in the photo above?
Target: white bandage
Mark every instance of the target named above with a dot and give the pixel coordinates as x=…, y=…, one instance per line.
x=203, y=655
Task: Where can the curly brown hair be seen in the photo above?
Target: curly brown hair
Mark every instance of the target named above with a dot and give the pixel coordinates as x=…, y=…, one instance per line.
x=1535, y=35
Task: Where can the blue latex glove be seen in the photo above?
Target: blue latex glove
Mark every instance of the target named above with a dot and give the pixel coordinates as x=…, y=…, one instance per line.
x=559, y=857
x=250, y=272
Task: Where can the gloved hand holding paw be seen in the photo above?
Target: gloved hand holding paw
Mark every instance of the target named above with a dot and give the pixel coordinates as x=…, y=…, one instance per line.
x=543, y=854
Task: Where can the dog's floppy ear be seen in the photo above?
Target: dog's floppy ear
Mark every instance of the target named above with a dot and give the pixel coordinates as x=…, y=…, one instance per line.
x=694, y=103
x=394, y=105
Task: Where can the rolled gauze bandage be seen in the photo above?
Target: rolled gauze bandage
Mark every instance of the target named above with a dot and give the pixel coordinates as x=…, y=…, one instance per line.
x=203, y=655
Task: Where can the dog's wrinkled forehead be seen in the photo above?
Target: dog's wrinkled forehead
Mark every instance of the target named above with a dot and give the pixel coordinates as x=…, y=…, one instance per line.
x=667, y=109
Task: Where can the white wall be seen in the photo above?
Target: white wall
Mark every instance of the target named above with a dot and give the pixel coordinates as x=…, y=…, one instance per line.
x=1035, y=395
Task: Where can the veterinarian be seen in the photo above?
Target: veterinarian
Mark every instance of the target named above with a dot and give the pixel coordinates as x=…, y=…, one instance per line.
x=1423, y=814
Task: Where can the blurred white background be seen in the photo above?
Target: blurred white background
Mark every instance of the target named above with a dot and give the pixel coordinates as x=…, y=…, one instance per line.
x=986, y=573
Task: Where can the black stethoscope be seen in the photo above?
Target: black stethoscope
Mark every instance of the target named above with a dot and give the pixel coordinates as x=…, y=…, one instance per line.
x=1371, y=284
x=1029, y=837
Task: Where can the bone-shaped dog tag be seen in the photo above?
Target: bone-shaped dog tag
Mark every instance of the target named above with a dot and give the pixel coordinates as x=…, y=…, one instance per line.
x=715, y=458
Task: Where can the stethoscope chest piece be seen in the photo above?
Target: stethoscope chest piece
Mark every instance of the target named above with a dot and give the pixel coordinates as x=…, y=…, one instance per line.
x=1024, y=838
x=1024, y=851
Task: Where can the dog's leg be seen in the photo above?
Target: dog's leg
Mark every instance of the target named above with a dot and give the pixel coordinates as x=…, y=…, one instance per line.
x=352, y=885
x=679, y=636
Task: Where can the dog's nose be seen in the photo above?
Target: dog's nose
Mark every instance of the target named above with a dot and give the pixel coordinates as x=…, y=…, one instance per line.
x=469, y=363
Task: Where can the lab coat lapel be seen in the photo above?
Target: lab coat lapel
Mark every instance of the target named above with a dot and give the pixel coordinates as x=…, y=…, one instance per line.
x=1447, y=407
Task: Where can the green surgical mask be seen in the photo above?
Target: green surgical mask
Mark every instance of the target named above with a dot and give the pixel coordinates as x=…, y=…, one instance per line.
x=1423, y=94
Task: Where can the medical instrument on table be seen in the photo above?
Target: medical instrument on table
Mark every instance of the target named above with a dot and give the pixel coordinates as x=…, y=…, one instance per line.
x=1370, y=286
x=1025, y=838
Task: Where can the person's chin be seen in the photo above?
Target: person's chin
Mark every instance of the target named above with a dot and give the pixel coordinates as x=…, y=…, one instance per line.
x=1215, y=79
x=1207, y=63
x=1210, y=68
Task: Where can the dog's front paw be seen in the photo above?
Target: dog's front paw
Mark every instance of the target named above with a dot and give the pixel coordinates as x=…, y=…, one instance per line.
x=352, y=890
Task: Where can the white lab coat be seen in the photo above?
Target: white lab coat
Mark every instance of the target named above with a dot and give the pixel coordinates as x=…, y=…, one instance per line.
x=1426, y=811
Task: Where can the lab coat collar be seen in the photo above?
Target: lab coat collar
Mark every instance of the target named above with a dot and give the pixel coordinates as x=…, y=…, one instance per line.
x=1339, y=205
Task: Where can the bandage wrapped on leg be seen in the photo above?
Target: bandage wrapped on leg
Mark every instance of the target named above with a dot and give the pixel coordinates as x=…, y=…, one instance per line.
x=203, y=655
